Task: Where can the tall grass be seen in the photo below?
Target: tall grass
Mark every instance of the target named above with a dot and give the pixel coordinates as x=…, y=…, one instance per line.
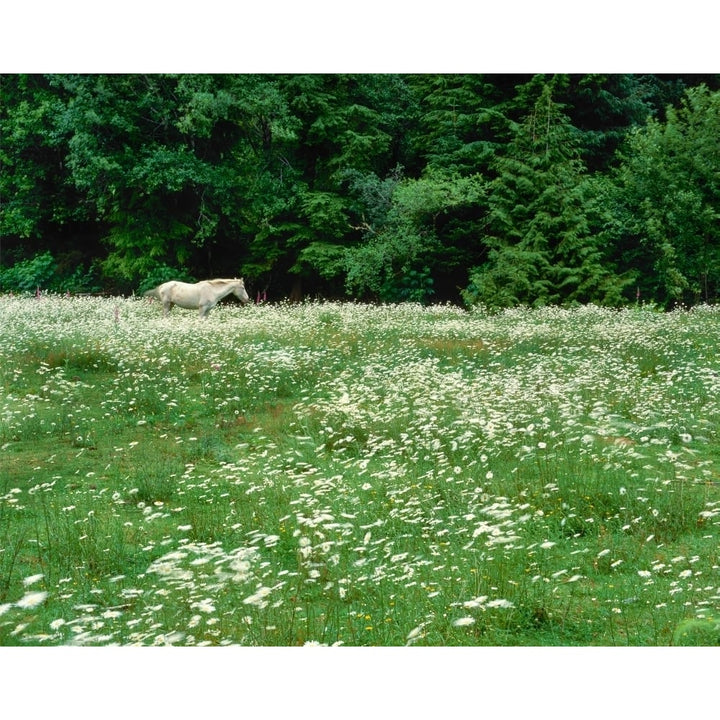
x=360, y=475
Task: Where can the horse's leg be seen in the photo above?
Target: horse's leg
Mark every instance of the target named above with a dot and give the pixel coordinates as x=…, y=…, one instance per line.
x=166, y=308
x=203, y=311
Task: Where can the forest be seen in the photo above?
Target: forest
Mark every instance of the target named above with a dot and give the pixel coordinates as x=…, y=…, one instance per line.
x=493, y=190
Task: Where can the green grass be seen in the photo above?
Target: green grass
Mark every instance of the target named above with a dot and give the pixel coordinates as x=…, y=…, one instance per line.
x=364, y=475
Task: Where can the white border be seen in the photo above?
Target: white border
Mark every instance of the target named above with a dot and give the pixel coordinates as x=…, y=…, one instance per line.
x=372, y=36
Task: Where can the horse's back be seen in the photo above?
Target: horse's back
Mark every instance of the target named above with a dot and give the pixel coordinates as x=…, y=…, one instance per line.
x=185, y=295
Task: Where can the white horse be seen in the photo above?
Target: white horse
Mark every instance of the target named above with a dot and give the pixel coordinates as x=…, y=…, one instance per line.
x=203, y=295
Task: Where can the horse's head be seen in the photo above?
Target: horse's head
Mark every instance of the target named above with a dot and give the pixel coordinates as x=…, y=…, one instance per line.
x=240, y=292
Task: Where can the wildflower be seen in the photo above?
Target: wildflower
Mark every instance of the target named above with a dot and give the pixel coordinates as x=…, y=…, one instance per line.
x=172, y=637
x=547, y=544
x=31, y=600
x=464, y=621
x=32, y=579
x=501, y=603
x=258, y=598
x=644, y=573
x=477, y=602
x=685, y=574
x=57, y=624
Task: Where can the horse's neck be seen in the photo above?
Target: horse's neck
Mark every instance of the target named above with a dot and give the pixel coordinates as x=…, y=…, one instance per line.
x=220, y=291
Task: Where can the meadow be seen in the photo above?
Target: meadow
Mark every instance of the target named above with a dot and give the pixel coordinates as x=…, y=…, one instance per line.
x=351, y=474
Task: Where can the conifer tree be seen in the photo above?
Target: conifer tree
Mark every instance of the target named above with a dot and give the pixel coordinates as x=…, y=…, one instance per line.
x=540, y=246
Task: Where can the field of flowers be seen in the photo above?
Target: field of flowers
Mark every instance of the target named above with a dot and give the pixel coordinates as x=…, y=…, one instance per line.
x=327, y=473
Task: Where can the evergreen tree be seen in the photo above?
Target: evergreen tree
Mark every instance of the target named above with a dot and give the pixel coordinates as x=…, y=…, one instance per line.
x=461, y=121
x=540, y=245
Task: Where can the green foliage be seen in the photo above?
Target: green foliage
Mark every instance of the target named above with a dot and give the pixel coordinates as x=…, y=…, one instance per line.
x=28, y=275
x=45, y=272
x=400, y=221
x=327, y=259
x=541, y=246
x=317, y=237
x=668, y=196
x=391, y=266
x=460, y=127
x=34, y=186
x=508, y=187
x=509, y=278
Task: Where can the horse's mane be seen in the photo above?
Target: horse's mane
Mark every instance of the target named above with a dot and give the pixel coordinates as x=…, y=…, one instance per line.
x=222, y=281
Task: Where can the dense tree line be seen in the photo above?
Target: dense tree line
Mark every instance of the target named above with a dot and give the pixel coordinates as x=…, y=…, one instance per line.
x=493, y=189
